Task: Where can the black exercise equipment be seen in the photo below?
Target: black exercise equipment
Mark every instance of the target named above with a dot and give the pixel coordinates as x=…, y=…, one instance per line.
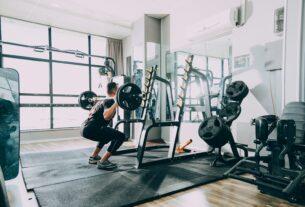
x=230, y=112
x=216, y=133
x=202, y=80
x=272, y=174
x=129, y=97
x=215, y=130
x=237, y=91
x=87, y=99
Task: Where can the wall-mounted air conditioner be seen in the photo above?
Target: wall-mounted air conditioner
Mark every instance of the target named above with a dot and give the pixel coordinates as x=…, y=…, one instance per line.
x=215, y=26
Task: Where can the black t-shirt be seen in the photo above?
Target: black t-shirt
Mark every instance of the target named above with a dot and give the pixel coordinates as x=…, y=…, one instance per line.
x=96, y=115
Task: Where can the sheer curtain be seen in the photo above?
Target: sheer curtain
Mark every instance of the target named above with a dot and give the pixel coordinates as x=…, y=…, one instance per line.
x=115, y=51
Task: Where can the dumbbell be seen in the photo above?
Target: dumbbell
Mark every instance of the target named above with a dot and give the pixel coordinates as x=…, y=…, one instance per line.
x=129, y=97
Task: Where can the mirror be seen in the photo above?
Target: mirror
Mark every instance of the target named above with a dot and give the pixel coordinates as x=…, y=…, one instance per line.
x=153, y=59
x=137, y=71
x=9, y=123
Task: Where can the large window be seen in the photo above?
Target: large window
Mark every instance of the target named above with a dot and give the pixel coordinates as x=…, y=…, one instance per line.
x=218, y=66
x=50, y=84
x=23, y=33
x=70, y=79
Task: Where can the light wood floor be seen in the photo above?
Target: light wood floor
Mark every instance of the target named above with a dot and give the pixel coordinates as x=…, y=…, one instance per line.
x=227, y=193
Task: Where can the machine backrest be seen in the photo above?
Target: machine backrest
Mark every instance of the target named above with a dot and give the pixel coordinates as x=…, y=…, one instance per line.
x=296, y=112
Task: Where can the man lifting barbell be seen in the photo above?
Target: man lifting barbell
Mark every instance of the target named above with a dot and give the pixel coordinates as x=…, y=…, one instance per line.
x=128, y=97
x=96, y=128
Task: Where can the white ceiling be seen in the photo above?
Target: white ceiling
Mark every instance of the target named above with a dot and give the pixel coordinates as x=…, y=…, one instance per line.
x=112, y=18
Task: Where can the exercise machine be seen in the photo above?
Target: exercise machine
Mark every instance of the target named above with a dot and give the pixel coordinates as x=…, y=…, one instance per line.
x=277, y=173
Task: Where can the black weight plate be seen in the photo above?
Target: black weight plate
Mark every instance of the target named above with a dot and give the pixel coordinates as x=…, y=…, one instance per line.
x=230, y=112
x=237, y=91
x=129, y=96
x=213, y=131
x=85, y=99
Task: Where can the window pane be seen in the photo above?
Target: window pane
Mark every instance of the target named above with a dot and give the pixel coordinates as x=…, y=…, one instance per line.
x=34, y=76
x=99, y=83
x=69, y=117
x=214, y=64
x=226, y=70
x=23, y=33
x=98, y=47
x=65, y=100
x=67, y=40
x=199, y=62
x=181, y=57
x=34, y=118
x=70, y=79
x=34, y=99
x=186, y=116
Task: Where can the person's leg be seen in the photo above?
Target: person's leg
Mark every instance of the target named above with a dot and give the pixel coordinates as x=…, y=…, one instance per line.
x=116, y=138
x=116, y=142
x=97, y=149
x=92, y=133
x=94, y=158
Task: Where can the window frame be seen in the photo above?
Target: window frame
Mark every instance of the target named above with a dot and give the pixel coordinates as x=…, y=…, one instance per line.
x=51, y=105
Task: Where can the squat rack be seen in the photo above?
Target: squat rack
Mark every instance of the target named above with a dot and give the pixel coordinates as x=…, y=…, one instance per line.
x=204, y=100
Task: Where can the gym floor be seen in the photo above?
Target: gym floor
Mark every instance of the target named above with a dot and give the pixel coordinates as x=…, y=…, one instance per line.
x=226, y=192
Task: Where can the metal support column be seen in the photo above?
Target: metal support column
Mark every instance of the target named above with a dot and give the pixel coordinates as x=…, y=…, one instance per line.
x=89, y=58
x=51, y=79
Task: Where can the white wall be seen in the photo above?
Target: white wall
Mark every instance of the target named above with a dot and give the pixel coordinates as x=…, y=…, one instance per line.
x=253, y=39
x=195, y=11
x=293, y=55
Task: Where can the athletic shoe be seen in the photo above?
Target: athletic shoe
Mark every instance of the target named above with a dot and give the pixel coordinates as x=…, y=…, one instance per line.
x=106, y=165
x=94, y=160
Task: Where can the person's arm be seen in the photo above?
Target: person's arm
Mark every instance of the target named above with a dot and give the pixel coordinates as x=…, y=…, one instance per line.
x=109, y=112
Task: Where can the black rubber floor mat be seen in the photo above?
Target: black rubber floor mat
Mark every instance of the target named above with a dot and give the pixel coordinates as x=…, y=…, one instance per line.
x=123, y=188
x=44, y=158
x=68, y=170
x=111, y=190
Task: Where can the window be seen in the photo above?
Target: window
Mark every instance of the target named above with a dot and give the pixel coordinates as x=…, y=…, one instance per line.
x=34, y=76
x=98, y=82
x=23, y=33
x=70, y=79
x=34, y=118
x=98, y=47
x=67, y=80
x=69, y=117
x=226, y=68
x=176, y=63
x=215, y=65
x=67, y=40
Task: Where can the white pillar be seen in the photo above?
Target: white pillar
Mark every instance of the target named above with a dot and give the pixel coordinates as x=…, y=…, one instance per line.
x=293, y=76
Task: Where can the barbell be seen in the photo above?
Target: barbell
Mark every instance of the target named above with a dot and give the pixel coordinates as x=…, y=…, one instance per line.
x=129, y=97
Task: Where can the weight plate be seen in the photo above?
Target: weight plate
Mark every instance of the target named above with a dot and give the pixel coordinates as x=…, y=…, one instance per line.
x=230, y=112
x=237, y=91
x=129, y=96
x=85, y=99
x=214, y=132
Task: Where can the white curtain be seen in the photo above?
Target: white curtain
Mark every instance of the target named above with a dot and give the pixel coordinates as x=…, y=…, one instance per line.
x=115, y=51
